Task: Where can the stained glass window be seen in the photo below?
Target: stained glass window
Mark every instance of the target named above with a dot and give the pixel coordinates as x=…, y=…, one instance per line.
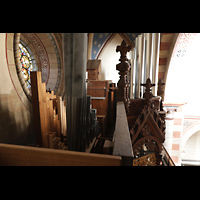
x=26, y=64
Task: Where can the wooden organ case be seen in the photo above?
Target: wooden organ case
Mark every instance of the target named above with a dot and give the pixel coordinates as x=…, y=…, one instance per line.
x=94, y=69
x=102, y=96
x=145, y=126
x=138, y=126
x=146, y=118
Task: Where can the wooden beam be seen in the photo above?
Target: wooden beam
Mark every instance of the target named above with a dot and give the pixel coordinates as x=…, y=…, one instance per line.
x=121, y=138
x=16, y=155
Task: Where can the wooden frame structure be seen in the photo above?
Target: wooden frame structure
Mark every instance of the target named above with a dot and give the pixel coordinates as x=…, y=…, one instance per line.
x=146, y=116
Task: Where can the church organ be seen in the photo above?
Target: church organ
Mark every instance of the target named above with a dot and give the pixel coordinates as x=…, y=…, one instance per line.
x=72, y=124
x=50, y=117
x=82, y=125
x=145, y=62
x=102, y=96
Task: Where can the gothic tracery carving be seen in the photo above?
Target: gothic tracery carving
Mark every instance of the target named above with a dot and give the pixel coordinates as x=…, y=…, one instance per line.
x=148, y=130
x=148, y=160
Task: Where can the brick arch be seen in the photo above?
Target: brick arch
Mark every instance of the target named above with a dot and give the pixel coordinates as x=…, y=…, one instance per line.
x=170, y=44
x=167, y=44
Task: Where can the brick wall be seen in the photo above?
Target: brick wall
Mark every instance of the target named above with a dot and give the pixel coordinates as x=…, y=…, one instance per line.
x=174, y=130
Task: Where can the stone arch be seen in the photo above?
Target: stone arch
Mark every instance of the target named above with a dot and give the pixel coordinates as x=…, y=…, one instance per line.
x=109, y=39
x=47, y=48
x=17, y=81
x=177, y=42
x=97, y=42
x=167, y=46
x=110, y=58
x=189, y=132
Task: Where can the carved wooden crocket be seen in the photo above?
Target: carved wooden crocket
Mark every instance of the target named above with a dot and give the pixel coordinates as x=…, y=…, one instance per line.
x=148, y=130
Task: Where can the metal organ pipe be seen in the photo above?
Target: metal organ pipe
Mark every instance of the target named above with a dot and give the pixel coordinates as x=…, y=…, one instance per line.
x=146, y=61
x=149, y=54
x=142, y=52
x=138, y=69
x=155, y=61
x=133, y=74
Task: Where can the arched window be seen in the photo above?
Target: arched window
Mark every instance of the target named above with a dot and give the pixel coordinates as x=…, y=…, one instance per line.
x=26, y=63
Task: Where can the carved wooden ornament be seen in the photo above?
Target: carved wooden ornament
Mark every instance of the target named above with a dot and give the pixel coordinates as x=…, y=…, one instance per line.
x=123, y=67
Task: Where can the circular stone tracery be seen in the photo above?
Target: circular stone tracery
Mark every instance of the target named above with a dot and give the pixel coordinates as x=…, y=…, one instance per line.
x=43, y=57
x=26, y=64
x=46, y=53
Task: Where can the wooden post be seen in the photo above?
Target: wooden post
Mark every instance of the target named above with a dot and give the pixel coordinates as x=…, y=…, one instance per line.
x=123, y=67
x=37, y=97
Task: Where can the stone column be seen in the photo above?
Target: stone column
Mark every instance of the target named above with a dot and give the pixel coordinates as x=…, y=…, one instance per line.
x=169, y=120
x=75, y=61
x=174, y=130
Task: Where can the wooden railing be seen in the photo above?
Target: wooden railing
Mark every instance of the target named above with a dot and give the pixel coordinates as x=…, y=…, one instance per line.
x=15, y=155
x=121, y=138
x=166, y=159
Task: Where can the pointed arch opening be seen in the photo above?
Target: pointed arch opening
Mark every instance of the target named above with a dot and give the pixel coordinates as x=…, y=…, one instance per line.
x=109, y=58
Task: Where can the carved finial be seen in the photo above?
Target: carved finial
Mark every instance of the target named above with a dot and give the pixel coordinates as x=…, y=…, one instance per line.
x=148, y=94
x=160, y=91
x=123, y=50
x=123, y=68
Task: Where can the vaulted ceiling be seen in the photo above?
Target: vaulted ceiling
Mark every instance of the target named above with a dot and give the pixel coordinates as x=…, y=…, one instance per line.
x=167, y=43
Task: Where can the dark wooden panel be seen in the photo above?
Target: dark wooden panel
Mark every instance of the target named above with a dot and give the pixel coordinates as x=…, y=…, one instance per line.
x=96, y=92
x=94, y=69
x=121, y=138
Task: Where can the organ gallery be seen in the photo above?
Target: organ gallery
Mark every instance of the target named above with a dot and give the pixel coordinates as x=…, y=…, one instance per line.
x=83, y=99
